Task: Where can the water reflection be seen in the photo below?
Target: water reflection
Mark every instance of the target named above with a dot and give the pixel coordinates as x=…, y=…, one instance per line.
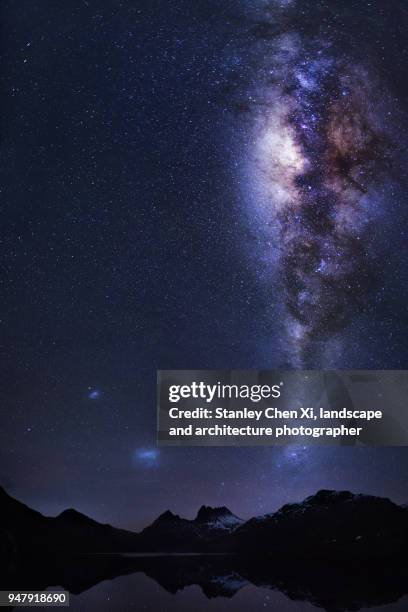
x=214, y=582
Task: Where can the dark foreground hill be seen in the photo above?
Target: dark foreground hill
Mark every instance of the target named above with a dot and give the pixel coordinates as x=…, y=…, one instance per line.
x=328, y=525
x=24, y=530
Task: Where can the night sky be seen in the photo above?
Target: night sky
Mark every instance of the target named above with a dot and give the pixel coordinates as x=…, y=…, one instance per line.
x=194, y=185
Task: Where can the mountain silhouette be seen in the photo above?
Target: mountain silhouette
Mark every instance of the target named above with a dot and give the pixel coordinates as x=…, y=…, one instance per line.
x=337, y=550
x=23, y=529
x=210, y=531
x=218, y=518
x=329, y=524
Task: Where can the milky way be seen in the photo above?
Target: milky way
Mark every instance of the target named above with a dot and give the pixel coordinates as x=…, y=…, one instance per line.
x=320, y=168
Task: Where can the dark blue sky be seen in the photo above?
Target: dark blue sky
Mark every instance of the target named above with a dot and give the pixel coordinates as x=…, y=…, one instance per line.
x=126, y=248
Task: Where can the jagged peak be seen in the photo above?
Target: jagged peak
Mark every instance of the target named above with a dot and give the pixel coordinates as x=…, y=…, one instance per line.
x=322, y=498
x=206, y=512
x=333, y=496
x=219, y=518
x=167, y=516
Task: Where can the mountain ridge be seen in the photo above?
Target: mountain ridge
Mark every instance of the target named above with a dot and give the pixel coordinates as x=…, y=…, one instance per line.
x=328, y=523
